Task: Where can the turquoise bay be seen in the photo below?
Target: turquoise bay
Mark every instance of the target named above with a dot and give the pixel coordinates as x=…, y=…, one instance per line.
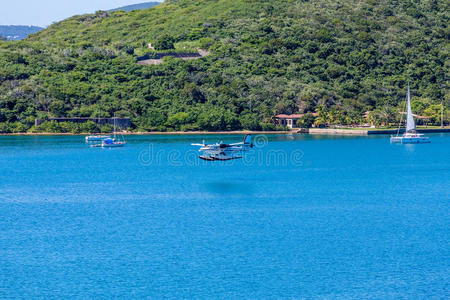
x=300, y=217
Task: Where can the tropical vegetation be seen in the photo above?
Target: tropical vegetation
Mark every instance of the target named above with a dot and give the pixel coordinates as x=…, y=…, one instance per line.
x=334, y=57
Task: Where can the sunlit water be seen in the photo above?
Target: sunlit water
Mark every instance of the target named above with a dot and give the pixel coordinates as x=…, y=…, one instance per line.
x=300, y=217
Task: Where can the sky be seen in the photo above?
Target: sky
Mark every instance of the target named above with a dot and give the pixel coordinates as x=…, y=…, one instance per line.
x=45, y=12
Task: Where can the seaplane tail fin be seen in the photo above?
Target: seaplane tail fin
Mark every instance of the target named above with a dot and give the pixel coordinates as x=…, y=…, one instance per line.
x=248, y=140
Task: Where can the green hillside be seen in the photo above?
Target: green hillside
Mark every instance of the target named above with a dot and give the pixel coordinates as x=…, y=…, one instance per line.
x=266, y=57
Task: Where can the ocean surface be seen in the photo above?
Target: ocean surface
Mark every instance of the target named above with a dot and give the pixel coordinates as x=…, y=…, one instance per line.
x=299, y=217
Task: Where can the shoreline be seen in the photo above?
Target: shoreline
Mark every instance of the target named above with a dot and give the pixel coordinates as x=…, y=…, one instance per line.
x=311, y=131
x=364, y=132
x=150, y=133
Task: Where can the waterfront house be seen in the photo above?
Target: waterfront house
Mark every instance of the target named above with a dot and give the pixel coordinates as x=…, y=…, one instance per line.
x=289, y=120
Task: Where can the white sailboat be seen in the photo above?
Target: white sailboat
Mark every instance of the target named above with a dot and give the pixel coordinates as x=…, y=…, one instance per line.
x=111, y=142
x=410, y=136
x=96, y=138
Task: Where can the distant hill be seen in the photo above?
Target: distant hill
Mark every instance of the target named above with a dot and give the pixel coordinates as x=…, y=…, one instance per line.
x=13, y=32
x=132, y=7
x=267, y=57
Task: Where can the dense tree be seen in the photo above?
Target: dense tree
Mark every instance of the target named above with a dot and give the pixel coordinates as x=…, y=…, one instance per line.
x=307, y=121
x=339, y=58
x=164, y=42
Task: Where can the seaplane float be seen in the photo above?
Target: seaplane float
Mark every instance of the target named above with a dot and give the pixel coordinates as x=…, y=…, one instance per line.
x=221, y=151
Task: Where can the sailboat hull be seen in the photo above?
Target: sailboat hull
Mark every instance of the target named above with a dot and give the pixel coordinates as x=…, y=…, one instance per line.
x=114, y=145
x=119, y=144
x=410, y=140
x=96, y=138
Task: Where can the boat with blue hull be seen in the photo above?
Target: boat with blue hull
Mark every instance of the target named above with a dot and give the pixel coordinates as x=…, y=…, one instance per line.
x=109, y=142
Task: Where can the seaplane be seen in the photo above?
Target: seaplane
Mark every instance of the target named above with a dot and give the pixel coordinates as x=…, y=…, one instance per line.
x=222, y=152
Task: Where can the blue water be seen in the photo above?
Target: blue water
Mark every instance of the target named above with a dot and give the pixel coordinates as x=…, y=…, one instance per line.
x=300, y=217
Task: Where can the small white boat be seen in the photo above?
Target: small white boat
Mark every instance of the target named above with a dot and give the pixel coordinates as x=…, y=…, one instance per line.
x=96, y=138
x=109, y=142
x=410, y=136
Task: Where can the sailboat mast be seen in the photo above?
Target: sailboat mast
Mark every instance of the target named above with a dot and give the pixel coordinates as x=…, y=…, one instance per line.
x=114, y=125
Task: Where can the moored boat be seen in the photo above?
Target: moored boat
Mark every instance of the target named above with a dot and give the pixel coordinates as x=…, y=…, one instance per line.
x=111, y=142
x=411, y=136
x=96, y=138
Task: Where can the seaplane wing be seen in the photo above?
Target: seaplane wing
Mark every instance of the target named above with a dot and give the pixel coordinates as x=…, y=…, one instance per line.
x=202, y=144
x=247, y=142
x=236, y=148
